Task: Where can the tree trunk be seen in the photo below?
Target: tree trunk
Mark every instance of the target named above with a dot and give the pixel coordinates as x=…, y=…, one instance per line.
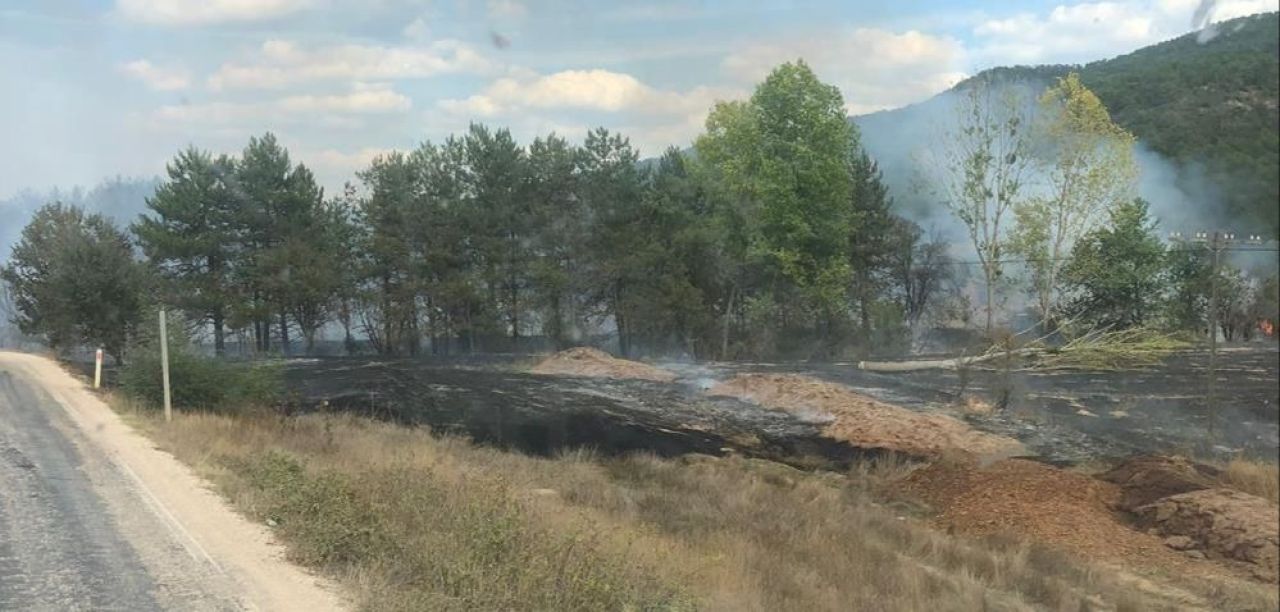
x=219, y=338
x=284, y=334
x=990, y=292
x=386, y=316
x=724, y=326
x=557, y=328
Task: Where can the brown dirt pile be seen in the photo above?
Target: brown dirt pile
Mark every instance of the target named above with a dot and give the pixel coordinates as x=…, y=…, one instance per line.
x=586, y=361
x=865, y=422
x=1040, y=502
x=1145, y=479
x=1222, y=523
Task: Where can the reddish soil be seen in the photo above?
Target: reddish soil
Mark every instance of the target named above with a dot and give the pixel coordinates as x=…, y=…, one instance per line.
x=1147, y=478
x=866, y=422
x=1221, y=523
x=586, y=361
x=1043, y=503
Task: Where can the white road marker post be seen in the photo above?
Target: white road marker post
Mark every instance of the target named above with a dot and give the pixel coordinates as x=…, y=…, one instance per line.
x=97, y=369
x=164, y=367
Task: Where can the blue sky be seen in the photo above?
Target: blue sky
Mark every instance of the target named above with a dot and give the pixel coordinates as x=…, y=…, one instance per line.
x=96, y=88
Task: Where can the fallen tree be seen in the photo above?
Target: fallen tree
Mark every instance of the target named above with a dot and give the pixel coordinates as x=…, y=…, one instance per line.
x=1095, y=350
x=944, y=364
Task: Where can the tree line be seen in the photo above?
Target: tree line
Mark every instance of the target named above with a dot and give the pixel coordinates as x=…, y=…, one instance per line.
x=774, y=236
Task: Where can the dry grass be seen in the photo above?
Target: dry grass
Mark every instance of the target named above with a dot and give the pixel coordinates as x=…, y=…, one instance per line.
x=411, y=521
x=1253, y=476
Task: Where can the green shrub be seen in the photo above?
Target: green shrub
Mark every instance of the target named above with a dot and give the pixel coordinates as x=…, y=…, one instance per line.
x=196, y=382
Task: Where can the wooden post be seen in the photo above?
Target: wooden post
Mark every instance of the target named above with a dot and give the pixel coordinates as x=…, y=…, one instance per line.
x=97, y=369
x=164, y=367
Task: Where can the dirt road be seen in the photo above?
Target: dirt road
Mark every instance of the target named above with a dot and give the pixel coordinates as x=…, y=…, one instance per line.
x=93, y=517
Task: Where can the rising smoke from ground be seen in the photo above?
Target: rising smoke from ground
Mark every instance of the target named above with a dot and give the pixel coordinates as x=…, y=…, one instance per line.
x=902, y=141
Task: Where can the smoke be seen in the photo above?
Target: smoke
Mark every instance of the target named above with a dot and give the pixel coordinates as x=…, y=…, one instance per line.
x=1181, y=195
x=119, y=199
x=1202, y=20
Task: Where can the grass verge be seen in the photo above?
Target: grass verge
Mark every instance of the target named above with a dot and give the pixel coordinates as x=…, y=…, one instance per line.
x=409, y=521
x=1254, y=477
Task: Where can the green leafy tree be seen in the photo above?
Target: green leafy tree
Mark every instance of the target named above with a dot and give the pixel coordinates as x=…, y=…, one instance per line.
x=189, y=235
x=1115, y=275
x=611, y=188
x=281, y=207
x=558, y=222
x=798, y=147
x=445, y=255
x=1088, y=166
x=982, y=163
x=873, y=236
x=501, y=218
x=389, y=298
x=74, y=282
x=1188, y=283
x=783, y=161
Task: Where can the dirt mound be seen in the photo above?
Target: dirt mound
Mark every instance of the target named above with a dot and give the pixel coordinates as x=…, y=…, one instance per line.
x=1222, y=523
x=586, y=361
x=863, y=421
x=1147, y=478
x=1036, y=501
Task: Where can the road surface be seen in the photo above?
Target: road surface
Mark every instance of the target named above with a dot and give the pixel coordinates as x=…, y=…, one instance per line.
x=93, y=517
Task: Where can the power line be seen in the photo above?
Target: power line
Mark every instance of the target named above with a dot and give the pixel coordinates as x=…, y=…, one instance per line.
x=1026, y=261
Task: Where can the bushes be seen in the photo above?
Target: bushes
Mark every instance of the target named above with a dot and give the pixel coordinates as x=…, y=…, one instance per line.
x=197, y=382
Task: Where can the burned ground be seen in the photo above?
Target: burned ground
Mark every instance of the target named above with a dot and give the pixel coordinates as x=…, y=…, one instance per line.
x=1067, y=416
x=543, y=414
x=1064, y=416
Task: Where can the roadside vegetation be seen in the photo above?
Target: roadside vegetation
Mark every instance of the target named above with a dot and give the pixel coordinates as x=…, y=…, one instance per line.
x=410, y=521
x=1253, y=477
x=776, y=236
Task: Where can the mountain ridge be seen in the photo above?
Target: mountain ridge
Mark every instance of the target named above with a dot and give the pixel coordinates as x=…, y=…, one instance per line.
x=1210, y=108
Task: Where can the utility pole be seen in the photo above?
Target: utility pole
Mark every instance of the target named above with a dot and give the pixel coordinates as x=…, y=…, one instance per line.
x=164, y=367
x=1217, y=242
x=1215, y=247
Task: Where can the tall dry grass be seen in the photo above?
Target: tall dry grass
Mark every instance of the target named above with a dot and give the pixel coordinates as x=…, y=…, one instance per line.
x=1253, y=476
x=408, y=521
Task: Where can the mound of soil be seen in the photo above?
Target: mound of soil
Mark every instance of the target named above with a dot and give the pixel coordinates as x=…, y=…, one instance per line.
x=1147, y=478
x=1222, y=523
x=865, y=422
x=1039, y=502
x=586, y=361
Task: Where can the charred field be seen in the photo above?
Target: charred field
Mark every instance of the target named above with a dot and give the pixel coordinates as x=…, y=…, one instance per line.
x=1068, y=416
x=1063, y=416
x=491, y=402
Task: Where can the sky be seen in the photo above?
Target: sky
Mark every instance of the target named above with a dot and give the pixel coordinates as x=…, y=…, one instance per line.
x=91, y=89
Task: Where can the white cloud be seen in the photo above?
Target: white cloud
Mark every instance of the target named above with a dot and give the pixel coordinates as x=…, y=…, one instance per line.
x=653, y=117
x=417, y=30
x=157, y=77
x=205, y=12
x=365, y=99
x=335, y=110
x=595, y=90
x=507, y=9
x=1081, y=32
x=338, y=166
x=874, y=69
x=282, y=63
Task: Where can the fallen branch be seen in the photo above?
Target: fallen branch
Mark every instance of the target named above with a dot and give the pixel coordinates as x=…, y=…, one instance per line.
x=1111, y=350
x=943, y=364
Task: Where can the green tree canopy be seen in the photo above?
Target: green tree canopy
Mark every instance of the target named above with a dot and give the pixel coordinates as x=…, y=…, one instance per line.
x=74, y=281
x=1116, y=272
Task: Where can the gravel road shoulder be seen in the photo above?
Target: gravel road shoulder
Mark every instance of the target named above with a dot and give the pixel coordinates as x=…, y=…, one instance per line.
x=94, y=517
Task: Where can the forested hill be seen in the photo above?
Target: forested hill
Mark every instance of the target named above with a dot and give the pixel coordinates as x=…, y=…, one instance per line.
x=1211, y=107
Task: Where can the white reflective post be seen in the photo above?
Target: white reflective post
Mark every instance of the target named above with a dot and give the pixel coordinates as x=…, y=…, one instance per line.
x=97, y=369
x=164, y=367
